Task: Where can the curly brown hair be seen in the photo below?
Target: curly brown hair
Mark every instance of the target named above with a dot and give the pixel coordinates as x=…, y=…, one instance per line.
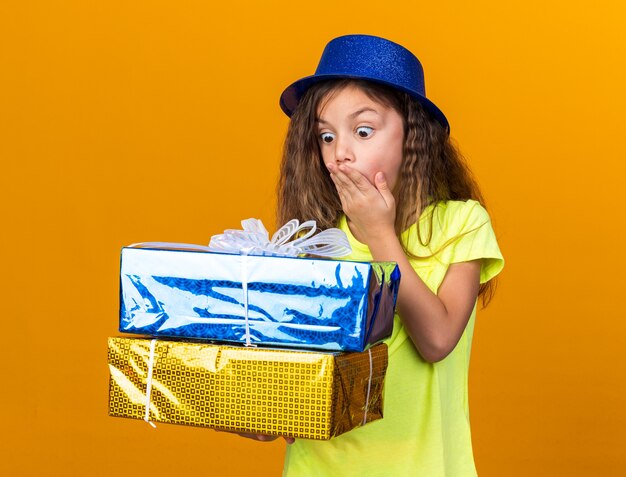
x=432, y=171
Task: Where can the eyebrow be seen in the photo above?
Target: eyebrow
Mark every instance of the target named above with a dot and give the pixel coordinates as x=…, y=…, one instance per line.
x=352, y=115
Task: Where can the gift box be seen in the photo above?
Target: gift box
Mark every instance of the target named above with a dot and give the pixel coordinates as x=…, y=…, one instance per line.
x=311, y=395
x=276, y=301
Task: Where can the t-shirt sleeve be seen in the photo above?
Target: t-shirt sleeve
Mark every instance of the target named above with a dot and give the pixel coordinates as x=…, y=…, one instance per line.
x=476, y=239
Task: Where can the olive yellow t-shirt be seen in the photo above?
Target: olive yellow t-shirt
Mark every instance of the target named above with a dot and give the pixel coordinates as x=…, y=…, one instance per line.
x=425, y=430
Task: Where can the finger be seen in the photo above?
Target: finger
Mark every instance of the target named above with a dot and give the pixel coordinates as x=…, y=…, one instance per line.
x=289, y=440
x=355, y=179
x=342, y=189
x=339, y=176
x=264, y=438
x=341, y=180
x=380, y=181
x=347, y=191
x=256, y=437
x=338, y=184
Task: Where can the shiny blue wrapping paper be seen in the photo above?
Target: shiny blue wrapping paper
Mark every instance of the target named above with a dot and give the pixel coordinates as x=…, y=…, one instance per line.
x=293, y=302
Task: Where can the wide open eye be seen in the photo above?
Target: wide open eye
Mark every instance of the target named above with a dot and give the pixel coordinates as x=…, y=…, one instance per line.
x=327, y=137
x=364, y=131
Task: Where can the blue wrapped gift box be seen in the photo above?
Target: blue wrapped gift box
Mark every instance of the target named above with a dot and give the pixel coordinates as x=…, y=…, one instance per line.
x=293, y=302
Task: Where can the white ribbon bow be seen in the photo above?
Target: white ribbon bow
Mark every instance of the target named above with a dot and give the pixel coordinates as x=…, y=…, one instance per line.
x=254, y=240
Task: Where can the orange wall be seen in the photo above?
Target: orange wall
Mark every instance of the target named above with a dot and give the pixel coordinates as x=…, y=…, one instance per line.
x=149, y=120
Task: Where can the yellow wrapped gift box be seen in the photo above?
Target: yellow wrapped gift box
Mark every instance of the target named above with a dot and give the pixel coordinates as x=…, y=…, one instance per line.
x=302, y=394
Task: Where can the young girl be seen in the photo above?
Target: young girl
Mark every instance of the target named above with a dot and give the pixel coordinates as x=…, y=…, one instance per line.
x=367, y=151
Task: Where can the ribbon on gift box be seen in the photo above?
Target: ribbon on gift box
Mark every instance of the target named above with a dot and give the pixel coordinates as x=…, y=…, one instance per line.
x=291, y=240
x=146, y=416
x=254, y=240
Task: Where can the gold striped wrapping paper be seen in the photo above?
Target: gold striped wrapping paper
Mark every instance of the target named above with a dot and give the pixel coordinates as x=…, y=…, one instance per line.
x=303, y=394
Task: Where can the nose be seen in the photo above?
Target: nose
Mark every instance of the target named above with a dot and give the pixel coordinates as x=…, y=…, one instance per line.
x=344, y=151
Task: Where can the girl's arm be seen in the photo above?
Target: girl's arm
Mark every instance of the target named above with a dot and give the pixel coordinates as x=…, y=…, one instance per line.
x=435, y=322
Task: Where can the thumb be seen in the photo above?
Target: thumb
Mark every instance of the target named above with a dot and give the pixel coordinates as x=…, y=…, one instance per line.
x=381, y=184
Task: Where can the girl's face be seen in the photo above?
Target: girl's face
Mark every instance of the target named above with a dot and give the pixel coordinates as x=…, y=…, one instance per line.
x=368, y=136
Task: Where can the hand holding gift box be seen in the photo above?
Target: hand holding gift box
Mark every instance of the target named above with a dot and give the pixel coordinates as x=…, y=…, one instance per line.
x=297, y=302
